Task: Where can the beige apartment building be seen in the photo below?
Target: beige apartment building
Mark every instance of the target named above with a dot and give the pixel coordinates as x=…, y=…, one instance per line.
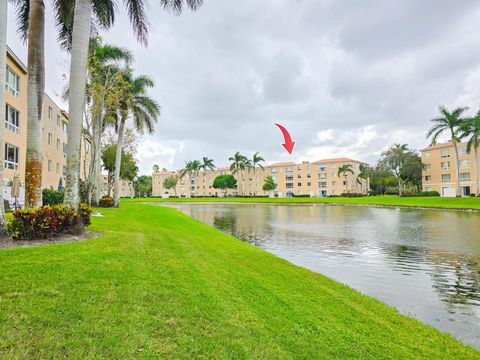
x=319, y=178
x=439, y=169
x=126, y=188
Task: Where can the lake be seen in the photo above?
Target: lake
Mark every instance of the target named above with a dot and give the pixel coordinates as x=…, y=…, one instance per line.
x=425, y=263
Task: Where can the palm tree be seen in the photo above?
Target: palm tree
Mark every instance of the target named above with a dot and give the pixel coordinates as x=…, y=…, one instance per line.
x=3, y=66
x=449, y=121
x=104, y=12
x=256, y=160
x=238, y=163
x=144, y=112
x=207, y=164
x=191, y=168
x=103, y=68
x=471, y=130
x=362, y=176
x=344, y=170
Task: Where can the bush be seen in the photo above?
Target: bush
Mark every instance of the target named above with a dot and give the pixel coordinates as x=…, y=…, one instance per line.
x=351, y=195
x=106, y=202
x=85, y=213
x=46, y=221
x=429, y=193
x=301, y=196
x=52, y=197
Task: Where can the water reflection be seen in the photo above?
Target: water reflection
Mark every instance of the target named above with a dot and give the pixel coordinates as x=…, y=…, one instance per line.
x=424, y=263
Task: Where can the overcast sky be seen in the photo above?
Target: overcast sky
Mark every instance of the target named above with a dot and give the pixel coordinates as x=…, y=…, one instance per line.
x=347, y=78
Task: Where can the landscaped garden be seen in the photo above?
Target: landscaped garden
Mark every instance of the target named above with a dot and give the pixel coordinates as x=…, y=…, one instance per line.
x=160, y=284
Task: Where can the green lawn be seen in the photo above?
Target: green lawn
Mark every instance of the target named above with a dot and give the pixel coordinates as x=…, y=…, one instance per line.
x=159, y=284
x=435, y=202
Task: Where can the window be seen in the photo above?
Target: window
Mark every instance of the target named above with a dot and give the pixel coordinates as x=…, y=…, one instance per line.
x=309, y=183
x=289, y=185
x=289, y=178
x=11, y=157
x=274, y=178
x=465, y=176
x=445, y=177
x=334, y=183
x=322, y=184
x=12, y=121
x=322, y=167
x=428, y=188
x=12, y=82
x=273, y=170
x=463, y=151
x=64, y=150
x=428, y=177
x=50, y=138
x=427, y=155
x=445, y=165
x=57, y=168
x=58, y=144
x=50, y=110
x=299, y=184
x=445, y=153
x=65, y=128
x=309, y=176
x=299, y=176
x=49, y=165
x=289, y=169
x=322, y=176
x=464, y=163
x=58, y=120
x=334, y=174
x=428, y=166
x=299, y=168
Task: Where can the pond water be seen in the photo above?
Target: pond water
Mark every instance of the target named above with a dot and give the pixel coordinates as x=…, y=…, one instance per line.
x=424, y=263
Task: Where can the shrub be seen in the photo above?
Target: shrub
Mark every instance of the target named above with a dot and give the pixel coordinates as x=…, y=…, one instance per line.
x=85, y=213
x=43, y=222
x=106, y=202
x=429, y=193
x=301, y=196
x=351, y=195
x=52, y=197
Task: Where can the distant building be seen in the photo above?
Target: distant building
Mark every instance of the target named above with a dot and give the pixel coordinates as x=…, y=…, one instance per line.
x=319, y=178
x=439, y=169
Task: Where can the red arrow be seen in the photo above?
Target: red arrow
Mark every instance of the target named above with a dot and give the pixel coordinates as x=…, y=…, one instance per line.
x=289, y=144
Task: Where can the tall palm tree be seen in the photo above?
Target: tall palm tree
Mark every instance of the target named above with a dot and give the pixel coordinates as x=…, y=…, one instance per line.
x=191, y=168
x=238, y=163
x=144, y=112
x=3, y=66
x=104, y=11
x=344, y=170
x=256, y=160
x=449, y=121
x=103, y=68
x=362, y=176
x=207, y=164
x=470, y=130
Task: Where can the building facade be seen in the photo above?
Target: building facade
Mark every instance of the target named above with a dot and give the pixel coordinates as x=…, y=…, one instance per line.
x=439, y=172
x=319, y=178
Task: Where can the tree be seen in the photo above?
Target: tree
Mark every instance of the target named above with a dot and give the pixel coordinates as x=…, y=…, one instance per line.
x=143, y=110
x=128, y=167
x=3, y=66
x=143, y=186
x=395, y=159
x=191, y=168
x=256, y=160
x=471, y=131
x=362, y=176
x=104, y=11
x=380, y=179
x=104, y=89
x=344, y=170
x=449, y=121
x=224, y=182
x=156, y=168
x=238, y=163
x=412, y=170
x=170, y=182
x=269, y=184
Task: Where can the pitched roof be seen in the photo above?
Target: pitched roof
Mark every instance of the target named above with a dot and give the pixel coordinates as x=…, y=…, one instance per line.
x=335, y=160
x=441, y=146
x=283, y=164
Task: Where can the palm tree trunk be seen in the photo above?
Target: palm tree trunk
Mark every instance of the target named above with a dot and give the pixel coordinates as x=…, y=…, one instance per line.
x=35, y=93
x=96, y=158
x=3, y=60
x=399, y=186
x=457, y=169
x=118, y=162
x=78, y=74
x=254, y=180
x=475, y=166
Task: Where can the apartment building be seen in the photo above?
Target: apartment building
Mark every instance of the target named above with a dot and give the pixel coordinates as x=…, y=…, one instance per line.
x=439, y=169
x=54, y=133
x=126, y=188
x=319, y=178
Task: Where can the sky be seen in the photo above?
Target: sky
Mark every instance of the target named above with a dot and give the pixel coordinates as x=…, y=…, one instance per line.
x=347, y=78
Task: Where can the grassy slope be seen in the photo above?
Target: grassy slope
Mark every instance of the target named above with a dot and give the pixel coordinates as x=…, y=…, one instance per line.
x=439, y=202
x=159, y=284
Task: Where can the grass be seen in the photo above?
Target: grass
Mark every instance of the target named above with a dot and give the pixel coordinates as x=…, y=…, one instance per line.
x=434, y=202
x=159, y=284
